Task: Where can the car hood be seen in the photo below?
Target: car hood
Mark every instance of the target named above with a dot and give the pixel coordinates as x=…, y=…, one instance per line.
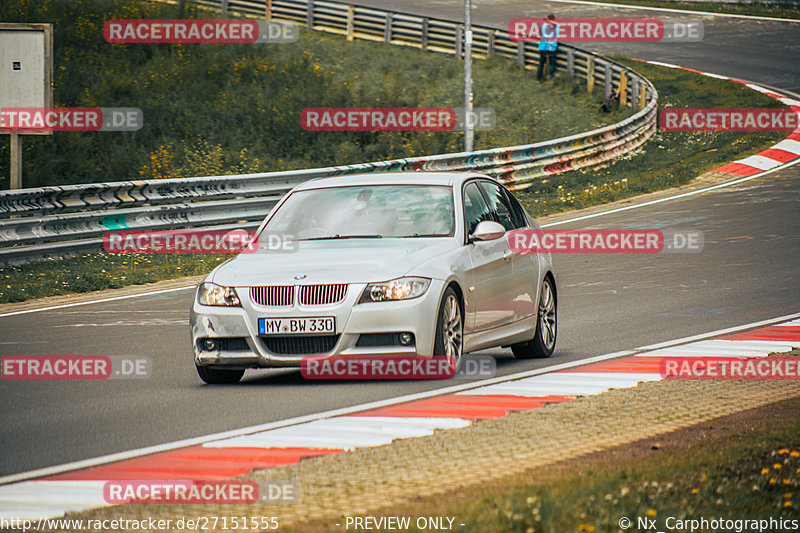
x=336, y=261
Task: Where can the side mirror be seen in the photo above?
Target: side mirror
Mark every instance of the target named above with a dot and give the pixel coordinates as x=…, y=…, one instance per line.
x=488, y=230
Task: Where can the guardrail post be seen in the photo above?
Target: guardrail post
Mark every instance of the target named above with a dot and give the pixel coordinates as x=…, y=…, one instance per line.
x=459, y=35
x=634, y=92
x=607, y=84
x=570, y=62
x=424, y=36
x=224, y=7
x=623, y=89
x=351, y=12
x=490, y=43
x=642, y=96
x=387, y=30
x=521, y=54
x=589, y=74
x=310, y=15
x=15, y=180
x=268, y=10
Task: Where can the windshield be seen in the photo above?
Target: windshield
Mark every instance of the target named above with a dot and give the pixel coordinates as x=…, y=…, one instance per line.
x=365, y=212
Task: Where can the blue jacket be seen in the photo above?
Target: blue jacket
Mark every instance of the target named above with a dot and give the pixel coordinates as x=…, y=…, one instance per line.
x=549, y=40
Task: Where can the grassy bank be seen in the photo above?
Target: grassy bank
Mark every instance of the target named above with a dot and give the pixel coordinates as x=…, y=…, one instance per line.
x=778, y=10
x=213, y=109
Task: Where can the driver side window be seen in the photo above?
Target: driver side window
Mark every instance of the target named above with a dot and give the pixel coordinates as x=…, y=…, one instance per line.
x=476, y=209
x=506, y=214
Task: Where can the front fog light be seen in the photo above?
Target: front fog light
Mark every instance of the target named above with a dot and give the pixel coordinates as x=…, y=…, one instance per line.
x=209, y=345
x=406, y=338
x=396, y=289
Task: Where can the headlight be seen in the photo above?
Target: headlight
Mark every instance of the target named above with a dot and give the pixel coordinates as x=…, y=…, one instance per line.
x=396, y=289
x=210, y=294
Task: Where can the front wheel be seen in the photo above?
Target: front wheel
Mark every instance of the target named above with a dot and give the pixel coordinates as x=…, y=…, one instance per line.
x=449, y=329
x=213, y=376
x=544, y=339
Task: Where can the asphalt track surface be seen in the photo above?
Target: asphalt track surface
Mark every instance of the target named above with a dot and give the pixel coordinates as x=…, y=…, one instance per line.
x=749, y=270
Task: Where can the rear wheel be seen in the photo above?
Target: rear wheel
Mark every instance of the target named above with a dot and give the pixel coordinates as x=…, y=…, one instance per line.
x=544, y=339
x=213, y=376
x=449, y=329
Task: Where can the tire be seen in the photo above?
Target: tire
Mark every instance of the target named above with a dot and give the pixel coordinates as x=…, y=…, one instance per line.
x=449, y=340
x=544, y=339
x=213, y=376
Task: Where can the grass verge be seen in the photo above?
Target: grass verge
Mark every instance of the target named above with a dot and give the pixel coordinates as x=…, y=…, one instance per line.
x=741, y=467
x=94, y=272
x=785, y=10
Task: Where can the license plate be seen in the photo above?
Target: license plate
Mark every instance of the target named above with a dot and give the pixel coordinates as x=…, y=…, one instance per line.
x=296, y=326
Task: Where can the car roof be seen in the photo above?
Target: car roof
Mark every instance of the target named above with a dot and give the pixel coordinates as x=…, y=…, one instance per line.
x=391, y=178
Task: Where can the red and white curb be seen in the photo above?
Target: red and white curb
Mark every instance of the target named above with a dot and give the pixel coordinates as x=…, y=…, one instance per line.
x=78, y=490
x=786, y=151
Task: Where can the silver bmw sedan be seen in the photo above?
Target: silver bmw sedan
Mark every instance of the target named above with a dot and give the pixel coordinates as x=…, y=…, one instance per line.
x=381, y=265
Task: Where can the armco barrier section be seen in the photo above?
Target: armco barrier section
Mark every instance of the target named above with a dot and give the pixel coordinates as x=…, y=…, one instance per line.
x=55, y=221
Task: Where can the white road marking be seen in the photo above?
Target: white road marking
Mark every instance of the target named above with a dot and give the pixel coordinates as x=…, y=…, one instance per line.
x=788, y=145
x=344, y=432
x=734, y=348
x=759, y=161
x=720, y=333
x=99, y=301
x=759, y=88
x=534, y=390
x=33, y=500
x=618, y=379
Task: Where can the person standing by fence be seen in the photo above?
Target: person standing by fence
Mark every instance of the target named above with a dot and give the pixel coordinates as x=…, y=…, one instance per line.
x=548, y=44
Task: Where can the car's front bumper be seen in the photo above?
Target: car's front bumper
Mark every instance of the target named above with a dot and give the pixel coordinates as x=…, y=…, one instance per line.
x=416, y=316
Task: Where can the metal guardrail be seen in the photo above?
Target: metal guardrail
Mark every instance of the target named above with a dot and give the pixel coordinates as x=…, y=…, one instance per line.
x=54, y=221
